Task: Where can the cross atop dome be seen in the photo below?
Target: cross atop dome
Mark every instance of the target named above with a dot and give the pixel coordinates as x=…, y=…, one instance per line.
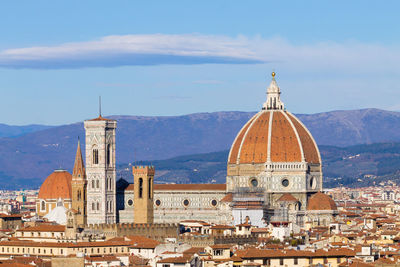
x=273, y=96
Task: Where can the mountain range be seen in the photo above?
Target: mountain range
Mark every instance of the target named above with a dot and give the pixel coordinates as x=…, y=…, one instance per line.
x=29, y=155
x=359, y=165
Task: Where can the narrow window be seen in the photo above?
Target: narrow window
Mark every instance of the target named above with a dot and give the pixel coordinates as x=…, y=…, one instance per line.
x=43, y=205
x=92, y=183
x=108, y=154
x=93, y=206
x=140, y=187
x=150, y=188
x=98, y=206
x=97, y=183
x=281, y=261
x=296, y=261
x=95, y=156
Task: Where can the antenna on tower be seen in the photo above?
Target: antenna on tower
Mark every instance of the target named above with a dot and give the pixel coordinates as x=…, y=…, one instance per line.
x=99, y=105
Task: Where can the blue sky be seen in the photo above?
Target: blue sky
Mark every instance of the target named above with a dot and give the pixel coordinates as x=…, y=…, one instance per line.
x=179, y=57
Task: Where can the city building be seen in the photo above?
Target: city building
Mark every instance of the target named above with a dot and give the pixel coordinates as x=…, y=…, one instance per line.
x=273, y=174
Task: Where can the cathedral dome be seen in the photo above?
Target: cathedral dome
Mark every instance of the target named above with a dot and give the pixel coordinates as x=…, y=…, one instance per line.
x=57, y=185
x=274, y=135
x=321, y=201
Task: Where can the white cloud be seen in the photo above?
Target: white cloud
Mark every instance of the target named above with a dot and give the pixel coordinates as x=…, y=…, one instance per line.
x=125, y=50
x=156, y=49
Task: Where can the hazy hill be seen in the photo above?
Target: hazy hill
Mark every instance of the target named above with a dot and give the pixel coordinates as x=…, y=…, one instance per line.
x=27, y=160
x=346, y=128
x=15, y=131
x=351, y=166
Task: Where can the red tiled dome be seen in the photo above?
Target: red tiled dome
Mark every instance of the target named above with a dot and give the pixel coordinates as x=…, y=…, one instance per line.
x=321, y=201
x=276, y=135
x=57, y=185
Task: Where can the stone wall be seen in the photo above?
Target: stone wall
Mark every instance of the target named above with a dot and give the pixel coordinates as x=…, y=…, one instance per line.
x=154, y=231
x=169, y=207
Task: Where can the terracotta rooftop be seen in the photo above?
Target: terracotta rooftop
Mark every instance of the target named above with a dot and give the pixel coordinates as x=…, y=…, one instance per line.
x=222, y=226
x=100, y=118
x=288, y=138
x=227, y=198
x=43, y=228
x=268, y=253
x=69, y=244
x=321, y=201
x=57, y=185
x=288, y=197
x=102, y=258
x=176, y=260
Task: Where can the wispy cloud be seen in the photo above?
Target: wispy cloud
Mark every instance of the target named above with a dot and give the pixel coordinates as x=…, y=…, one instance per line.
x=188, y=49
x=126, y=50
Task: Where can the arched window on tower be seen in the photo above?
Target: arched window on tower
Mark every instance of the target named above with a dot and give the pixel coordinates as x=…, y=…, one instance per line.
x=79, y=196
x=98, y=205
x=93, y=206
x=150, y=188
x=95, y=156
x=97, y=183
x=140, y=187
x=92, y=183
x=108, y=154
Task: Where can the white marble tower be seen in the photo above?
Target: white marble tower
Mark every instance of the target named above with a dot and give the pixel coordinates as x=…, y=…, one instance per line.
x=100, y=170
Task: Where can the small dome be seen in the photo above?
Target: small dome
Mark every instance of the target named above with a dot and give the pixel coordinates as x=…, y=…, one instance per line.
x=57, y=185
x=321, y=201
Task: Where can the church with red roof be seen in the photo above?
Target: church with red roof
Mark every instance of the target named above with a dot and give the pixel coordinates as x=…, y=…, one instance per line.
x=274, y=175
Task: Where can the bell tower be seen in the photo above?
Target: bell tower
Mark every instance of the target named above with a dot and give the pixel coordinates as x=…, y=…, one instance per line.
x=100, y=170
x=78, y=186
x=143, y=177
